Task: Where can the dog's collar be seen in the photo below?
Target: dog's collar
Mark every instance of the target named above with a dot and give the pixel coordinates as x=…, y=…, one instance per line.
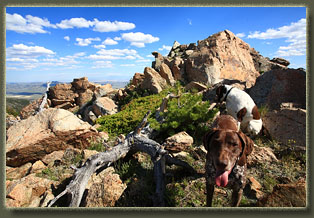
x=225, y=98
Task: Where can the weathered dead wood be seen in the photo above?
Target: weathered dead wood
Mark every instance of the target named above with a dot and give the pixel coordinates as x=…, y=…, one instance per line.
x=81, y=176
x=44, y=101
x=137, y=140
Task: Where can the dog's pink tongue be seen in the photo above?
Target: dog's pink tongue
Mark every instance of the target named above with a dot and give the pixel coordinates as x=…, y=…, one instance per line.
x=222, y=178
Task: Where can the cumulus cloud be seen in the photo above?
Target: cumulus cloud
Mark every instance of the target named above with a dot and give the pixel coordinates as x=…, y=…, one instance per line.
x=21, y=50
x=67, y=38
x=102, y=64
x=108, y=26
x=75, y=22
x=86, y=42
x=139, y=39
x=29, y=24
x=109, y=41
x=115, y=54
x=295, y=34
x=240, y=35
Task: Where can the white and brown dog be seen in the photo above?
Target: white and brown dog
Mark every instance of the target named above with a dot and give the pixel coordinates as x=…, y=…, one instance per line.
x=242, y=107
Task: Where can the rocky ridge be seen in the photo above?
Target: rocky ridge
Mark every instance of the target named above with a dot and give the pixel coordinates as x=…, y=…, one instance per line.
x=39, y=141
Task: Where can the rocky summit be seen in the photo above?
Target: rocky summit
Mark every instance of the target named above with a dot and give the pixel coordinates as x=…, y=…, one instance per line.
x=43, y=144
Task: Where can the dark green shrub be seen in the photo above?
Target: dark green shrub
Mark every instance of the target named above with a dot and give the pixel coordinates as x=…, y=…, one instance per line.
x=130, y=115
x=187, y=113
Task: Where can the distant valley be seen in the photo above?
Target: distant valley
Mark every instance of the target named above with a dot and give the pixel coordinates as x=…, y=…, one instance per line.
x=34, y=90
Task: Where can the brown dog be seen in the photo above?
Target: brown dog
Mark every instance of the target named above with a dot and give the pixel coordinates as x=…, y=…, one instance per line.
x=227, y=149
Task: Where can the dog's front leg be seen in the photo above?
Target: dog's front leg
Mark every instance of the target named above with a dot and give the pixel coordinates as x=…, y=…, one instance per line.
x=236, y=196
x=209, y=192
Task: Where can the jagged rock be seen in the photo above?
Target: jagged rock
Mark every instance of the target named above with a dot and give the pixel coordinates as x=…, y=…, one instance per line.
x=31, y=109
x=104, y=189
x=153, y=81
x=62, y=92
x=28, y=191
x=104, y=106
x=195, y=85
x=83, y=84
x=281, y=61
x=261, y=155
x=221, y=56
x=286, y=195
x=178, y=142
x=159, y=59
x=165, y=73
x=84, y=97
x=253, y=188
x=48, y=131
x=137, y=79
x=101, y=91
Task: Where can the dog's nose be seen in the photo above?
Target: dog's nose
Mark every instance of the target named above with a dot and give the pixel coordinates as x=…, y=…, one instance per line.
x=222, y=164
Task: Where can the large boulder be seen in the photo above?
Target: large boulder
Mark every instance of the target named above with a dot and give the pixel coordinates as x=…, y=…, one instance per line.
x=275, y=87
x=50, y=130
x=282, y=93
x=153, y=81
x=104, y=106
x=287, y=125
x=221, y=56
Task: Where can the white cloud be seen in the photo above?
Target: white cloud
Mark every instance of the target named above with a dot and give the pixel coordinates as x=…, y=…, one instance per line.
x=127, y=65
x=107, y=26
x=102, y=64
x=143, y=61
x=295, y=34
x=99, y=46
x=75, y=22
x=240, y=35
x=21, y=50
x=29, y=24
x=115, y=54
x=139, y=39
x=109, y=41
x=117, y=38
x=86, y=42
x=67, y=38
x=165, y=47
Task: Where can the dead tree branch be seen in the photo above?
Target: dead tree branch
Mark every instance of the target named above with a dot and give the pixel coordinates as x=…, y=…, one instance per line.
x=137, y=140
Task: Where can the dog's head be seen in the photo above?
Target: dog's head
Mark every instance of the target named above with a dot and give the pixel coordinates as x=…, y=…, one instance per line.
x=227, y=148
x=221, y=92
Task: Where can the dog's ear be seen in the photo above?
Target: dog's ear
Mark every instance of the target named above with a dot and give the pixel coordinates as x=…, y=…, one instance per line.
x=247, y=147
x=207, y=137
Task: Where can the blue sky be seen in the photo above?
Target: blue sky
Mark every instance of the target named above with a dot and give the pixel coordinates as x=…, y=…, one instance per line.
x=112, y=43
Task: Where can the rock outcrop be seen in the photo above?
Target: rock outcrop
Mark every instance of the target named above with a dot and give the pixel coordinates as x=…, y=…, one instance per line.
x=222, y=56
x=51, y=130
x=282, y=93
